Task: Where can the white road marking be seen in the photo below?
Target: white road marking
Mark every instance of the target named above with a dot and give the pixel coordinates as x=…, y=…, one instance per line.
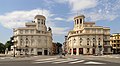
x=77, y=62
x=2, y=58
x=44, y=62
x=45, y=59
x=49, y=60
x=116, y=57
x=65, y=61
x=91, y=62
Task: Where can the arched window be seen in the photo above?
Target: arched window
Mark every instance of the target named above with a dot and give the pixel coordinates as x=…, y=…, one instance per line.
x=81, y=40
x=77, y=21
x=32, y=41
x=99, y=41
x=21, y=41
x=38, y=22
x=74, y=40
x=80, y=21
x=94, y=42
x=26, y=40
x=88, y=41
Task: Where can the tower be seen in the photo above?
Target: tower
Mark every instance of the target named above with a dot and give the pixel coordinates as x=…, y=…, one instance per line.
x=78, y=22
x=40, y=20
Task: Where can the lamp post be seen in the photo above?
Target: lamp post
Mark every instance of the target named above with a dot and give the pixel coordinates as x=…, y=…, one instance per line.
x=100, y=49
x=26, y=50
x=14, y=47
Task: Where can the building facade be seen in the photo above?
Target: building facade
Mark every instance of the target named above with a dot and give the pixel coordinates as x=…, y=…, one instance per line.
x=34, y=39
x=115, y=43
x=87, y=38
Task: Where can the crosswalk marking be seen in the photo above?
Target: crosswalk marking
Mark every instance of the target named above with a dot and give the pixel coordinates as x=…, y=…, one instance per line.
x=48, y=61
x=67, y=60
x=91, y=62
x=45, y=59
x=77, y=62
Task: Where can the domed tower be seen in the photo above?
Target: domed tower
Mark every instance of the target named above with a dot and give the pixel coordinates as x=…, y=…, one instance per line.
x=78, y=22
x=40, y=20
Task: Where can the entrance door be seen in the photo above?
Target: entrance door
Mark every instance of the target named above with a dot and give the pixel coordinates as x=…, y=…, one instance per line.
x=74, y=51
x=39, y=53
x=80, y=50
x=45, y=52
x=93, y=50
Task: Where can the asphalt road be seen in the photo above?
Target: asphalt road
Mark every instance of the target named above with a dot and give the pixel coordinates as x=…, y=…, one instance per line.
x=58, y=62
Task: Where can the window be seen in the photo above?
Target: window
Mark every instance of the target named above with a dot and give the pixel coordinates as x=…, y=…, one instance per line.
x=38, y=22
x=114, y=45
x=26, y=31
x=21, y=31
x=38, y=19
x=32, y=31
x=39, y=40
x=88, y=40
x=80, y=21
x=98, y=42
x=77, y=21
x=44, y=22
x=88, y=50
x=41, y=22
x=21, y=41
x=81, y=40
x=74, y=41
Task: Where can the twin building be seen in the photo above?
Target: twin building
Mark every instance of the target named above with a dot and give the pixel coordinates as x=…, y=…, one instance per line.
x=85, y=38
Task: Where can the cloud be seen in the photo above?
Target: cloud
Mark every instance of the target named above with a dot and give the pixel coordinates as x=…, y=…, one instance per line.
x=78, y=5
x=60, y=31
x=95, y=10
x=59, y=18
x=61, y=1
x=17, y=19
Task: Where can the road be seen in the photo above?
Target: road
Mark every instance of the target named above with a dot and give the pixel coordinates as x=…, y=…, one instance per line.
x=53, y=61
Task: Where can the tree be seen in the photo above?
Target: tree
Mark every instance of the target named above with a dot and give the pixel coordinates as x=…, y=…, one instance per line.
x=2, y=48
x=9, y=43
x=59, y=47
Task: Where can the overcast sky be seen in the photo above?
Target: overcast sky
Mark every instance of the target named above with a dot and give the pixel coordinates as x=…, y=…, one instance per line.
x=59, y=14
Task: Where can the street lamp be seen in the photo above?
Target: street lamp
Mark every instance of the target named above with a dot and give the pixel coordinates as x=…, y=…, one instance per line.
x=100, y=49
x=14, y=47
x=26, y=50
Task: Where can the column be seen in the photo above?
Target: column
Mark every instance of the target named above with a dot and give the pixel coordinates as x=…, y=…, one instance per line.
x=77, y=50
x=29, y=51
x=71, y=51
x=42, y=51
x=35, y=51
x=48, y=53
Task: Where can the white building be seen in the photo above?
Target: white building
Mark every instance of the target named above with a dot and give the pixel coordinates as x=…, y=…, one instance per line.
x=34, y=39
x=87, y=38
